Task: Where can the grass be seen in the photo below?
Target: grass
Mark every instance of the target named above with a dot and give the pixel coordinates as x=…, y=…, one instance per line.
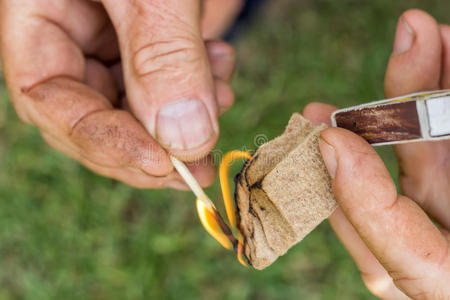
x=66, y=233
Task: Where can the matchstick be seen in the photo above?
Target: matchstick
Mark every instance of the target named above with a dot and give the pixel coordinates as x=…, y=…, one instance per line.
x=209, y=216
x=192, y=182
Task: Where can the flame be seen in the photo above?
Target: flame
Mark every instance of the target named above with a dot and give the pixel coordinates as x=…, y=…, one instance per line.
x=223, y=176
x=240, y=250
x=209, y=222
x=211, y=219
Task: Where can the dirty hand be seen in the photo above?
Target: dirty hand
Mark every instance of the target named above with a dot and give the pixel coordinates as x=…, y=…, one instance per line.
x=67, y=64
x=400, y=252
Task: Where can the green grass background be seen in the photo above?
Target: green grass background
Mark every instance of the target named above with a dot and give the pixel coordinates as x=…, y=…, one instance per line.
x=66, y=233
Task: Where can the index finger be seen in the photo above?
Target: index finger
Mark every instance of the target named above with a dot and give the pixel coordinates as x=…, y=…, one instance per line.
x=45, y=72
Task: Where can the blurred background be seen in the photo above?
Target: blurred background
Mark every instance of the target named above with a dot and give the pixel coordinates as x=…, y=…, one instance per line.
x=66, y=233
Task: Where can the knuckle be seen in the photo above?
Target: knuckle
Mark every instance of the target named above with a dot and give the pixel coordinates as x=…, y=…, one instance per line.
x=107, y=144
x=101, y=139
x=165, y=56
x=115, y=139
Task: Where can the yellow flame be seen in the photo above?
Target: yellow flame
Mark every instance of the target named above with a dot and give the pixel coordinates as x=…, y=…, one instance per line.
x=209, y=222
x=208, y=217
x=240, y=250
x=227, y=160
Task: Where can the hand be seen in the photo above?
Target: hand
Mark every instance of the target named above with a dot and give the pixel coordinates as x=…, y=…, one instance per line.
x=218, y=16
x=67, y=64
x=400, y=252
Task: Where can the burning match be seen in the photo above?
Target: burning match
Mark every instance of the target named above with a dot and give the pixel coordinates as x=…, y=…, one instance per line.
x=208, y=213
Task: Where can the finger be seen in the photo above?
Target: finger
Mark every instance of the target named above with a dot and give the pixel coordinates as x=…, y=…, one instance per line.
x=99, y=78
x=319, y=113
x=131, y=176
x=373, y=274
x=445, y=37
x=44, y=70
x=87, y=25
x=424, y=177
x=117, y=73
x=114, y=138
x=415, y=64
x=168, y=77
x=218, y=16
x=225, y=96
x=416, y=69
x=222, y=58
x=204, y=171
x=27, y=58
x=38, y=42
x=393, y=227
x=81, y=117
x=375, y=277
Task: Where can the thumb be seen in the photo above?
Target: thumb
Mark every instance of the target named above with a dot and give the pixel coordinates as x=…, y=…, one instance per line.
x=400, y=235
x=167, y=74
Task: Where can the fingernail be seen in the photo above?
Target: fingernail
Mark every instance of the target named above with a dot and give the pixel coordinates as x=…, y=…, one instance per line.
x=404, y=38
x=183, y=125
x=329, y=157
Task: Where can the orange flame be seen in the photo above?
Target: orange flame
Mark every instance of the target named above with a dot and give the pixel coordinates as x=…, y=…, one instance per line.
x=227, y=160
x=209, y=222
x=212, y=221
